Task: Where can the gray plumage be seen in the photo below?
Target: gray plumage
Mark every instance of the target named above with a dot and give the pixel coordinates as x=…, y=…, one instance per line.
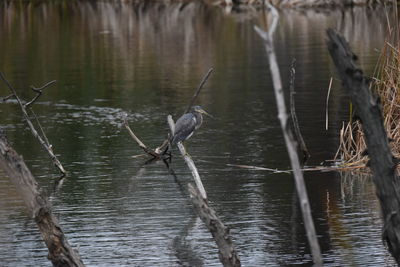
x=187, y=124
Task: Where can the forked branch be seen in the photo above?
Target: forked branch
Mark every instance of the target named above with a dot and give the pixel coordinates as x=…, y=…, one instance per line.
x=39, y=92
x=45, y=144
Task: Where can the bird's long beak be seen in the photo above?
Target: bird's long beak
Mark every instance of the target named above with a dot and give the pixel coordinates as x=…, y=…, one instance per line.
x=206, y=113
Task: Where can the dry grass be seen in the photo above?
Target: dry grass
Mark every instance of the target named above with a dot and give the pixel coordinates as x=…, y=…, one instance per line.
x=386, y=84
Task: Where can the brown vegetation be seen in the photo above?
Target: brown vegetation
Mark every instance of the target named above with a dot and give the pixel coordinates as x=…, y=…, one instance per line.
x=301, y=3
x=352, y=148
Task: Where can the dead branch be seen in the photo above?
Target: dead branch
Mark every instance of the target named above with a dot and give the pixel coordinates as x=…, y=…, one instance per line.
x=327, y=104
x=4, y=99
x=140, y=143
x=226, y=250
x=203, y=81
x=345, y=167
x=288, y=136
x=38, y=92
x=188, y=160
x=48, y=147
x=368, y=108
x=258, y=168
x=60, y=252
x=295, y=121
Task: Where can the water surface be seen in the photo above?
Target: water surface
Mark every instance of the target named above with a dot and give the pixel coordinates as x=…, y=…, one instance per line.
x=146, y=60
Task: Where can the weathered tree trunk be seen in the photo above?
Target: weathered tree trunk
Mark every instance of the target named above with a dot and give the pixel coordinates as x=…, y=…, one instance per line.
x=60, y=252
x=381, y=159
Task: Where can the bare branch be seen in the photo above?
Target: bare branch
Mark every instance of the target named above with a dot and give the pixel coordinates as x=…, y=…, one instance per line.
x=41, y=129
x=327, y=104
x=38, y=92
x=60, y=252
x=258, y=168
x=188, y=160
x=157, y=153
x=203, y=81
x=49, y=149
x=226, y=250
x=4, y=99
x=289, y=140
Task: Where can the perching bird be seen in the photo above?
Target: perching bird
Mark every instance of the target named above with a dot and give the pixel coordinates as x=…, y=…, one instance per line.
x=187, y=124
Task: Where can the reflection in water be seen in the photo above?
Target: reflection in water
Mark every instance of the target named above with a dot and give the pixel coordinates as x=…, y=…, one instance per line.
x=146, y=59
x=354, y=219
x=185, y=252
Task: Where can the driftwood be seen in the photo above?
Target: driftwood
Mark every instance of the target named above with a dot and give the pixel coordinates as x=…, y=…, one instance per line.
x=60, y=252
x=44, y=143
x=226, y=250
x=381, y=158
x=295, y=122
x=289, y=140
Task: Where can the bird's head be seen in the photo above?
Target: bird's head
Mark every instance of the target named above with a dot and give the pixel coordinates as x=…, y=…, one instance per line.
x=199, y=109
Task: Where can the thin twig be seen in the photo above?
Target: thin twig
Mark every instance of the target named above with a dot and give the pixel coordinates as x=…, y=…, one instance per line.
x=295, y=121
x=203, y=81
x=344, y=167
x=54, y=158
x=258, y=168
x=188, y=160
x=327, y=104
x=38, y=92
x=4, y=99
x=140, y=143
x=289, y=140
x=41, y=129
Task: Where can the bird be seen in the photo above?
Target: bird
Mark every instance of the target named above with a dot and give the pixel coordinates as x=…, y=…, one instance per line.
x=187, y=124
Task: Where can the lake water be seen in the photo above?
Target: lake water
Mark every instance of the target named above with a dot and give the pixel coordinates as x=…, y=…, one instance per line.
x=146, y=60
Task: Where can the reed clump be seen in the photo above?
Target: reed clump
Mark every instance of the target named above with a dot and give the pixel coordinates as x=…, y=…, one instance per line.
x=386, y=84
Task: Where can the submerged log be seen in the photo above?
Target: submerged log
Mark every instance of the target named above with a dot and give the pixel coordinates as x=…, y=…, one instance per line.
x=60, y=252
x=369, y=110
